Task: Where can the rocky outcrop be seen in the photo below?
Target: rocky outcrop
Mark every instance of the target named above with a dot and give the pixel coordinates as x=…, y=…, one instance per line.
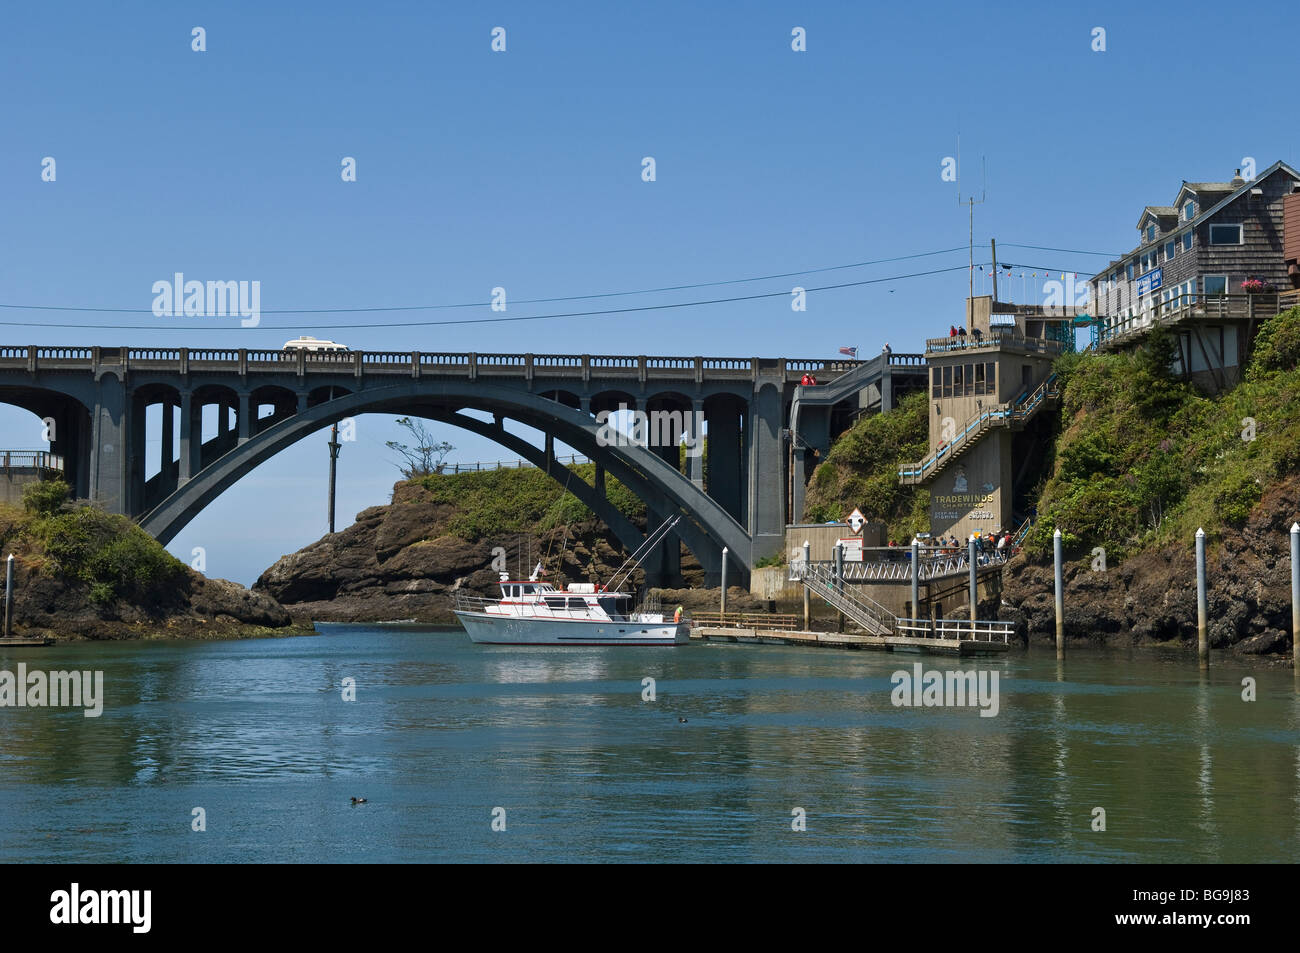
x=199, y=608
x=1151, y=597
x=403, y=561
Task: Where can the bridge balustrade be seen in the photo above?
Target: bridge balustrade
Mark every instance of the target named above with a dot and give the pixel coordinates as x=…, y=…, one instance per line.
x=59, y=353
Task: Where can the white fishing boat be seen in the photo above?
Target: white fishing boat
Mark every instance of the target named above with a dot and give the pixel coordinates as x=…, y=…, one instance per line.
x=533, y=612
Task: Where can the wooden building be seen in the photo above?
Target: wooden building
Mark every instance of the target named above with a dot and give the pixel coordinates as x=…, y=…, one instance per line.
x=1210, y=267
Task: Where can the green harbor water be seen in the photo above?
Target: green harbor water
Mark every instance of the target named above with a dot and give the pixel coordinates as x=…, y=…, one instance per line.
x=443, y=732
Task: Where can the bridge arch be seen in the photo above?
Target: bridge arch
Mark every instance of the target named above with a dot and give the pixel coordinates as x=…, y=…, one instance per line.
x=644, y=471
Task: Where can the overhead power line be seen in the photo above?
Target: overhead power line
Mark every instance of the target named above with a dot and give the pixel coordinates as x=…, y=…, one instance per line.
x=492, y=320
x=484, y=304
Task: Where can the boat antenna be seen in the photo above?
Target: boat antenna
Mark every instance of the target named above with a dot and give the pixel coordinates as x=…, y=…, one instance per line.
x=642, y=551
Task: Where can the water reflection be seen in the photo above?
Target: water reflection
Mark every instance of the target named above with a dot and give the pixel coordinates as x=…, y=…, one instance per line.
x=442, y=730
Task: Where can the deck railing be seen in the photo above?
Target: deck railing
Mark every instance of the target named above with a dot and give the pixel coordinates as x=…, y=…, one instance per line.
x=35, y=460
x=746, y=620
x=961, y=630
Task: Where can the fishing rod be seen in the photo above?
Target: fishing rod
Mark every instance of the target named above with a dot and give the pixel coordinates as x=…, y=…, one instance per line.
x=651, y=541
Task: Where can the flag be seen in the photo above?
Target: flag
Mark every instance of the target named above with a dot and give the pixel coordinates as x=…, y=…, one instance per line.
x=850, y=351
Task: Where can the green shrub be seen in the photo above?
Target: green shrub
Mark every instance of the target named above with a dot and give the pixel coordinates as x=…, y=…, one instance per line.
x=45, y=497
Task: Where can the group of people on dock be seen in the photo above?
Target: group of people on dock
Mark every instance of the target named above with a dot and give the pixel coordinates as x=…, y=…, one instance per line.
x=987, y=546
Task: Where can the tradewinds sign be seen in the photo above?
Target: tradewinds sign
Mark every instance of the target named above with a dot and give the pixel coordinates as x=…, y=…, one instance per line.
x=1150, y=282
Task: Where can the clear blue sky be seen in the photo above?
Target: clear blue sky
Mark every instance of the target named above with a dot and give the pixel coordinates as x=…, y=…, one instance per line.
x=523, y=169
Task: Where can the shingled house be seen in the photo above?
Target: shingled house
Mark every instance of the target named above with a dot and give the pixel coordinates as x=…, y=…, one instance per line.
x=1210, y=267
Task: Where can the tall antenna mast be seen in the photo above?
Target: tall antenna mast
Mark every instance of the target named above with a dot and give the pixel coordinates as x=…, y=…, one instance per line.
x=971, y=203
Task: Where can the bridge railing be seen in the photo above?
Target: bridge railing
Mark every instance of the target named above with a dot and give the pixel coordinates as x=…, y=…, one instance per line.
x=35, y=460
x=642, y=367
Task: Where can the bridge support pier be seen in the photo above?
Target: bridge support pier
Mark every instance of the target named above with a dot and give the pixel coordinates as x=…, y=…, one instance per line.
x=109, y=455
x=766, y=447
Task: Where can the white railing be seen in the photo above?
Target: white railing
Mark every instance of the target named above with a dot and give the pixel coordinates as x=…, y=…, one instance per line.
x=960, y=630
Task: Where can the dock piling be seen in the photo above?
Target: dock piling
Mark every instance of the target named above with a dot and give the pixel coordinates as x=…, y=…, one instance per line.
x=723, y=604
x=9, y=593
x=807, y=593
x=839, y=579
x=1202, y=606
x=974, y=579
x=1295, y=598
x=916, y=578
x=1058, y=559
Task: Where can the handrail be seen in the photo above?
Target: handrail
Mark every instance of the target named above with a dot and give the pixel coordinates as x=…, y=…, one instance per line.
x=863, y=610
x=1020, y=410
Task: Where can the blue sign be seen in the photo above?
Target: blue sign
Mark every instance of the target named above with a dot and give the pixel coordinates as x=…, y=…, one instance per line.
x=1151, y=281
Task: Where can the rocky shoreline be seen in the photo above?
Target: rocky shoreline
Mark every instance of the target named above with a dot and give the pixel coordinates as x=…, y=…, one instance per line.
x=1151, y=597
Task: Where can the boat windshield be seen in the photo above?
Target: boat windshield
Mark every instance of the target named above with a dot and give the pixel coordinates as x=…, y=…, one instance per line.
x=615, y=606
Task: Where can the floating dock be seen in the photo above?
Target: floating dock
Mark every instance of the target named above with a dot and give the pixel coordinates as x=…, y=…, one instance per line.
x=17, y=641
x=942, y=643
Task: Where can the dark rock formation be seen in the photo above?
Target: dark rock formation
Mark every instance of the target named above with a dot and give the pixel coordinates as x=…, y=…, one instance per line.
x=1151, y=597
x=401, y=561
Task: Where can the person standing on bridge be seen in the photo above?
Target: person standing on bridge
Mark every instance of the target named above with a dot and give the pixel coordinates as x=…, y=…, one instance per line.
x=805, y=381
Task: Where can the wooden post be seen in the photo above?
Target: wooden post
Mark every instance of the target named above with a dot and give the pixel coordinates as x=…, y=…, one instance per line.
x=1060, y=594
x=916, y=578
x=807, y=593
x=974, y=580
x=1295, y=598
x=9, y=593
x=839, y=575
x=1202, y=605
x=723, y=603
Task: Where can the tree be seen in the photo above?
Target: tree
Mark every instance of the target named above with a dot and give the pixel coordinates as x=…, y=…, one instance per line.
x=423, y=456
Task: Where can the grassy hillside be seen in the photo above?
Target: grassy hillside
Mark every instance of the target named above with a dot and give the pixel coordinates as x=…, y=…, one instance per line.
x=110, y=555
x=861, y=471
x=492, y=502
x=1144, y=460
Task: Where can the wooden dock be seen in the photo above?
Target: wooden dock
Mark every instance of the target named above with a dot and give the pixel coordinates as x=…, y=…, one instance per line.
x=933, y=645
x=18, y=641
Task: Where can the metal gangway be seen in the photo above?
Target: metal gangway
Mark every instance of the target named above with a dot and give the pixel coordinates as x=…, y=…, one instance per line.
x=870, y=615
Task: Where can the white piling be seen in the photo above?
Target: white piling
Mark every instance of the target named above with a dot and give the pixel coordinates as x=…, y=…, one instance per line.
x=1202, y=606
x=807, y=593
x=974, y=579
x=1295, y=597
x=9, y=593
x=723, y=605
x=916, y=579
x=1059, y=560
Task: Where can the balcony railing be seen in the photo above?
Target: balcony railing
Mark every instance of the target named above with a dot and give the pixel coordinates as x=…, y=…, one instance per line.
x=995, y=337
x=1255, y=307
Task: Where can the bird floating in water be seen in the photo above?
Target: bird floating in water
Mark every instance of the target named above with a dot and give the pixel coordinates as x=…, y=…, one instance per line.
x=358, y=800
x=681, y=721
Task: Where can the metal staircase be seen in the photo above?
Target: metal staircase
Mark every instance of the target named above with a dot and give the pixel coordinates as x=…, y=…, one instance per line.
x=1014, y=414
x=869, y=615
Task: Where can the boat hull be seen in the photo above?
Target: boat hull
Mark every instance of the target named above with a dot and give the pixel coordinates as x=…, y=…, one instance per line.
x=492, y=629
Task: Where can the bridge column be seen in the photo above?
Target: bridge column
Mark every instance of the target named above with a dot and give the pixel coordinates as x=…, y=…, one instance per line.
x=168, y=436
x=245, y=420
x=767, y=470
x=695, y=446
x=724, y=459
x=665, y=561
x=600, y=481
x=109, y=472
x=886, y=384
x=191, y=437
x=302, y=403
x=136, y=424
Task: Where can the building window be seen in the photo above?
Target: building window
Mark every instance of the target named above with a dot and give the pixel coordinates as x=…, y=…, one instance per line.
x=1151, y=233
x=936, y=389
x=947, y=381
x=990, y=378
x=1189, y=211
x=957, y=384
x=1170, y=248
x=1187, y=240
x=1129, y=271
x=1215, y=285
x=1225, y=234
